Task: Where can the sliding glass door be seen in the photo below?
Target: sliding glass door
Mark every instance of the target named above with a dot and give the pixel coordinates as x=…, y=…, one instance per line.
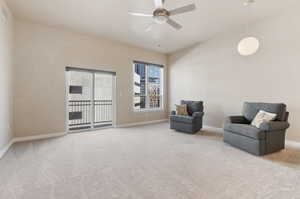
x=103, y=99
x=90, y=103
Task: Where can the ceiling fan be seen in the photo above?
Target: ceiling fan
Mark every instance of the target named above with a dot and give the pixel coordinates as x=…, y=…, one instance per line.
x=161, y=15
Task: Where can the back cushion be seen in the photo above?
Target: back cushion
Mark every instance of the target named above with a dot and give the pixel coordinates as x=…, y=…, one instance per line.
x=181, y=109
x=250, y=110
x=193, y=106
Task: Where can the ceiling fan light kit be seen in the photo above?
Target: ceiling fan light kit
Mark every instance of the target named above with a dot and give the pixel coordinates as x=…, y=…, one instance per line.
x=161, y=15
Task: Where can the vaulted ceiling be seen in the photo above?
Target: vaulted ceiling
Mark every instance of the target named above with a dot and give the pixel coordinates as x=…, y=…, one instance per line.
x=109, y=18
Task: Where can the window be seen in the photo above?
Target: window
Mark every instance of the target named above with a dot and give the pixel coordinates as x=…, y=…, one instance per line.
x=147, y=86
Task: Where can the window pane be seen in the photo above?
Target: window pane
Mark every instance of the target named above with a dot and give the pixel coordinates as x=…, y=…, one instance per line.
x=147, y=92
x=154, y=86
x=83, y=80
x=139, y=86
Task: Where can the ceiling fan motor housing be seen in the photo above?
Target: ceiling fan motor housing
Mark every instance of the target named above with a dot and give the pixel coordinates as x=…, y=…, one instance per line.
x=161, y=15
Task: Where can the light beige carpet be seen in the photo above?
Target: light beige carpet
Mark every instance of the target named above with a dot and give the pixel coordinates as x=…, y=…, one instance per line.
x=147, y=162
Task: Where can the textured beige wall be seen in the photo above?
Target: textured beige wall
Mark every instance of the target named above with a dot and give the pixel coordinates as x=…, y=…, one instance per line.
x=6, y=71
x=213, y=71
x=41, y=56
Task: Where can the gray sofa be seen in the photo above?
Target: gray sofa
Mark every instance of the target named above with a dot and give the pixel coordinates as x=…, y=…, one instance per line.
x=191, y=123
x=269, y=138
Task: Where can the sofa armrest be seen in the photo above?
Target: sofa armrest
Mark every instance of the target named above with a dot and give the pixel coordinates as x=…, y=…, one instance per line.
x=238, y=119
x=198, y=114
x=274, y=126
x=173, y=112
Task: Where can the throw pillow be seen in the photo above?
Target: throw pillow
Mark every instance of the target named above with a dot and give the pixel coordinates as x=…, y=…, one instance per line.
x=181, y=109
x=261, y=117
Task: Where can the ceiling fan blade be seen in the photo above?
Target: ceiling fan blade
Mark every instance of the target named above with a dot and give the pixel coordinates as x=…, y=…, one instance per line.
x=159, y=3
x=183, y=9
x=140, y=14
x=149, y=28
x=174, y=24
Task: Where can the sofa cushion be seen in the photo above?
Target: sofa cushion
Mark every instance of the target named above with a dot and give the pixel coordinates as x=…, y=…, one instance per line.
x=261, y=117
x=193, y=106
x=245, y=130
x=251, y=109
x=182, y=118
x=181, y=109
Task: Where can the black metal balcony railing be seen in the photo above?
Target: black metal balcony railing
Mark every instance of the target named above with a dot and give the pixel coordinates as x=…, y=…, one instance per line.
x=81, y=114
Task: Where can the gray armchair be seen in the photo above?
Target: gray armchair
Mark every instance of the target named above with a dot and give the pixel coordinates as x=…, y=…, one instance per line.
x=191, y=123
x=269, y=138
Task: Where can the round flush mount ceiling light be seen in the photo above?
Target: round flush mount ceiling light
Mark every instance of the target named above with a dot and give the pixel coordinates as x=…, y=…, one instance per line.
x=248, y=46
x=160, y=19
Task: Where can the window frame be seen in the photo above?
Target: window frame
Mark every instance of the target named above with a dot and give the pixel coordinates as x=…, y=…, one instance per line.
x=162, y=79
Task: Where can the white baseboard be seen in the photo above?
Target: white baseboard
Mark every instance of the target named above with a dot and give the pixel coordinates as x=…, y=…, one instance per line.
x=29, y=138
x=38, y=137
x=293, y=144
x=6, y=148
x=214, y=129
x=141, y=123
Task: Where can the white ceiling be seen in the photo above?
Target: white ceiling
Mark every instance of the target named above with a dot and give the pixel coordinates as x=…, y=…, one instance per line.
x=109, y=18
